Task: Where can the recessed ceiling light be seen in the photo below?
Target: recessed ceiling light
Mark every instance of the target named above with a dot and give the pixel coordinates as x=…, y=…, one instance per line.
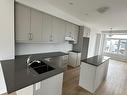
x=103, y=9
x=71, y=3
x=86, y=14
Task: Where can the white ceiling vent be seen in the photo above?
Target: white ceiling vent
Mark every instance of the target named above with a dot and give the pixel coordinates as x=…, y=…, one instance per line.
x=102, y=10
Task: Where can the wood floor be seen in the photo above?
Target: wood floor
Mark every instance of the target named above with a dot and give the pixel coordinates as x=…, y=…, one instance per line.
x=115, y=83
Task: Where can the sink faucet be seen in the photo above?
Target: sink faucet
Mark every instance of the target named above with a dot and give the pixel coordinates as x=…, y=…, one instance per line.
x=28, y=63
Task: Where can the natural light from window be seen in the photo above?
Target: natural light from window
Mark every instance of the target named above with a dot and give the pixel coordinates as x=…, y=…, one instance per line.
x=116, y=44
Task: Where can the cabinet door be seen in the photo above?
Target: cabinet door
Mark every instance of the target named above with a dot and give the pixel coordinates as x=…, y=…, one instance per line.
x=72, y=31
x=22, y=15
x=68, y=32
x=25, y=91
x=50, y=86
x=36, y=26
x=75, y=32
x=53, y=85
x=58, y=30
x=86, y=32
x=47, y=28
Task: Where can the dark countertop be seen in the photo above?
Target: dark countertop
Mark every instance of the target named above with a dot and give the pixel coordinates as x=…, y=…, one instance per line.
x=16, y=73
x=96, y=60
x=75, y=51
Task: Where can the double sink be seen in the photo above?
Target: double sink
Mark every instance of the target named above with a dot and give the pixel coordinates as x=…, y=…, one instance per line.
x=40, y=67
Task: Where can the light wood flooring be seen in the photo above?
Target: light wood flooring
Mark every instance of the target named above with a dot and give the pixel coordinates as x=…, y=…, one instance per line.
x=115, y=83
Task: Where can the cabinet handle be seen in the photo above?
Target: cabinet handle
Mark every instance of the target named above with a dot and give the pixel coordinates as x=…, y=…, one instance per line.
x=30, y=36
x=51, y=38
x=70, y=34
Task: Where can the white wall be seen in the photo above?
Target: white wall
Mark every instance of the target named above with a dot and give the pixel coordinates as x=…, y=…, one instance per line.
x=22, y=49
x=92, y=41
x=6, y=29
x=6, y=36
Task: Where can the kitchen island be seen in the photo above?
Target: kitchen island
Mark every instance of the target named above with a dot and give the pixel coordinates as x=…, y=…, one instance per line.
x=24, y=81
x=93, y=72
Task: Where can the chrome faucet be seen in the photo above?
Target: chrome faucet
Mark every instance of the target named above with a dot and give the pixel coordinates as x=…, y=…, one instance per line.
x=28, y=61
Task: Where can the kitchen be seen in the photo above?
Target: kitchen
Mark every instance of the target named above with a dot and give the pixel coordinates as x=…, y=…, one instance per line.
x=43, y=44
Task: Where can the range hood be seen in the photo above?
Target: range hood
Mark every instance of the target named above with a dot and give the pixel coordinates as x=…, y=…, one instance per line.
x=69, y=39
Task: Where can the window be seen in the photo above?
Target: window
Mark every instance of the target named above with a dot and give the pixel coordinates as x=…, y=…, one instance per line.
x=116, y=44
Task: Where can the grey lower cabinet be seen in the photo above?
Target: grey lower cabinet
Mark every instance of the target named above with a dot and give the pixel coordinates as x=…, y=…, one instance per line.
x=25, y=91
x=91, y=77
x=50, y=86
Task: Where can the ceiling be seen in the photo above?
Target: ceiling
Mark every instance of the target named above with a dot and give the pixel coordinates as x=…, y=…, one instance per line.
x=86, y=10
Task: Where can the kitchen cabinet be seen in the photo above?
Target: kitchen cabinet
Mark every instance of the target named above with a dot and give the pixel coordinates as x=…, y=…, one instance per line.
x=92, y=76
x=22, y=15
x=36, y=26
x=25, y=91
x=59, y=29
x=50, y=86
x=86, y=32
x=75, y=33
x=74, y=59
x=33, y=26
x=72, y=31
x=47, y=28
x=28, y=24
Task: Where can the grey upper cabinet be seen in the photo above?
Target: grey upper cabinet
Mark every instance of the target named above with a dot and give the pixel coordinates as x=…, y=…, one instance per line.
x=36, y=26
x=86, y=32
x=47, y=28
x=72, y=31
x=68, y=32
x=28, y=24
x=33, y=26
x=75, y=32
x=22, y=22
x=59, y=29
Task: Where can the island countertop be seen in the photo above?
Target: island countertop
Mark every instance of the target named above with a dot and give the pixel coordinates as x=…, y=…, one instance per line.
x=16, y=72
x=95, y=60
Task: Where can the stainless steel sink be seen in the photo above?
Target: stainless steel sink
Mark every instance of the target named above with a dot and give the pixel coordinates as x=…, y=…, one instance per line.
x=41, y=67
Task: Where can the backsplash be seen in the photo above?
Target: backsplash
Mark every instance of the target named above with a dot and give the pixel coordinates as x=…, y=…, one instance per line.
x=22, y=49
